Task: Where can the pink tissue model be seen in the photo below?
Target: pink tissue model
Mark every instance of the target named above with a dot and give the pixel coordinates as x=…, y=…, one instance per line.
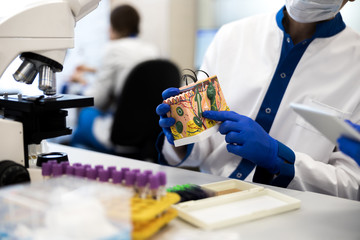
x=187, y=108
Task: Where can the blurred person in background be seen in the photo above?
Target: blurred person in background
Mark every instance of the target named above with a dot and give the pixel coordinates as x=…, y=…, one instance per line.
x=124, y=51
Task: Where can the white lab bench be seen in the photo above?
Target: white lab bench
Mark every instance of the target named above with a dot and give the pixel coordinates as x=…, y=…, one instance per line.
x=319, y=217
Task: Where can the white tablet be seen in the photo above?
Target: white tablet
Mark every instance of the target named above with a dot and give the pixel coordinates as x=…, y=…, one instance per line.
x=330, y=125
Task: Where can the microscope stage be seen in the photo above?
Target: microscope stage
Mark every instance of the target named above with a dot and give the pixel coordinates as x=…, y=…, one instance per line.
x=29, y=104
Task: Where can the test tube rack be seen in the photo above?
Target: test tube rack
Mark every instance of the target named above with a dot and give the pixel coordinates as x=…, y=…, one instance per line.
x=150, y=215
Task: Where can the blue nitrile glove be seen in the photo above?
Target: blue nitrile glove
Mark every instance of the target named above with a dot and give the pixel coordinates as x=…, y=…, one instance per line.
x=247, y=138
x=162, y=109
x=349, y=146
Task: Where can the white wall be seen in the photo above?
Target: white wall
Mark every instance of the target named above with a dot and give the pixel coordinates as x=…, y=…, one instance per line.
x=351, y=15
x=214, y=13
x=170, y=24
x=183, y=32
x=230, y=10
x=154, y=23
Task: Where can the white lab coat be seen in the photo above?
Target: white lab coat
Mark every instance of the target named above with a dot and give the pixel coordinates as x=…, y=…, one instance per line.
x=244, y=56
x=120, y=57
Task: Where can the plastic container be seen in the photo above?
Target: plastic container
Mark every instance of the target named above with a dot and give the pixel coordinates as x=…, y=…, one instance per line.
x=66, y=207
x=234, y=202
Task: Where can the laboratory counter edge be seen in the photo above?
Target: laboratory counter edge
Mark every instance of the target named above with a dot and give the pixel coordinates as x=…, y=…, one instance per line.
x=319, y=217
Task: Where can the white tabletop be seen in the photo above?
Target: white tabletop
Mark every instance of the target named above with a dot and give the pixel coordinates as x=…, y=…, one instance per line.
x=320, y=216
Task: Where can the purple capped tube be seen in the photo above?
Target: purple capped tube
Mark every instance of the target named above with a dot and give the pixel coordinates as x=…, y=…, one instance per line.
x=46, y=170
x=141, y=183
x=148, y=172
x=103, y=175
x=64, y=165
x=80, y=171
x=91, y=173
x=130, y=180
x=124, y=170
x=98, y=167
x=154, y=187
x=111, y=169
x=70, y=170
x=57, y=170
x=162, y=183
x=87, y=166
x=117, y=177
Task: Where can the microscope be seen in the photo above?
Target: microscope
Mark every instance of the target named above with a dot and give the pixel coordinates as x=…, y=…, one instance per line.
x=40, y=32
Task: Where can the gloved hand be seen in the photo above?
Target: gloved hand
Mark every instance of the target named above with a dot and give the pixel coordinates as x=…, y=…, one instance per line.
x=247, y=138
x=162, y=109
x=349, y=146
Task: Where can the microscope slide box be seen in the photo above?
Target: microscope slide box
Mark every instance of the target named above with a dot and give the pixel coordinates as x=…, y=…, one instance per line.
x=249, y=203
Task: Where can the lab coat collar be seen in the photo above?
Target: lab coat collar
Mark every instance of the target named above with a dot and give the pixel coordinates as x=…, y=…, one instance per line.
x=323, y=29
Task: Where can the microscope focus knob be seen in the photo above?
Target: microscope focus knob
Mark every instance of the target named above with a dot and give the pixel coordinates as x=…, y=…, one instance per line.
x=12, y=173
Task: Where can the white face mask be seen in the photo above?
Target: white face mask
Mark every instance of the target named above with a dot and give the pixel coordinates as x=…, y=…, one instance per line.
x=306, y=11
